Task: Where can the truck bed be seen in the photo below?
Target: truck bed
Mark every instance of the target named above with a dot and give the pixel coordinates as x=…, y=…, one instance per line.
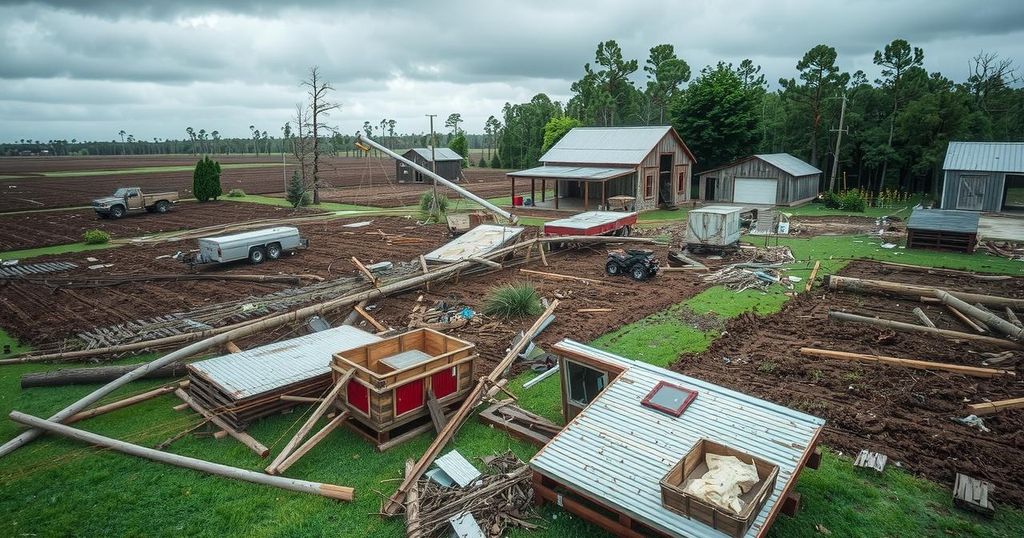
x=590, y=223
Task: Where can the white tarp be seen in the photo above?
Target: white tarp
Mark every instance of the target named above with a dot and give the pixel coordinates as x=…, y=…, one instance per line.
x=727, y=478
x=474, y=243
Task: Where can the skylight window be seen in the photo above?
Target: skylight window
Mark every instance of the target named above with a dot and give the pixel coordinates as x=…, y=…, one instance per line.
x=669, y=399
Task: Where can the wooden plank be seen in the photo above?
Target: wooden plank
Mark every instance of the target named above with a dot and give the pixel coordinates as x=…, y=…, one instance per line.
x=273, y=468
x=908, y=363
x=814, y=273
x=366, y=272
x=436, y=412
x=973, y=494
x=583, y=310
x=988, y=408
x=232, y=348
x=923, y=317
x=557, y=276
x=964, y=319
x=122, y=403
x=910, y=327
x=366, y=315
x=423, y=265
x=242, y=437
x=312, y=441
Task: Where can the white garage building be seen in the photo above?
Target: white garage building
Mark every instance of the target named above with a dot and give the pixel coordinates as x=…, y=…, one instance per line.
x=769, y=179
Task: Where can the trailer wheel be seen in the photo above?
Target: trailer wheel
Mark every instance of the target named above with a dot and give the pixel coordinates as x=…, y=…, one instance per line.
x=274, y=251
x=638, y=272
x=612, y=268
x=117, y=211
x=257, y=255
x=162, y=206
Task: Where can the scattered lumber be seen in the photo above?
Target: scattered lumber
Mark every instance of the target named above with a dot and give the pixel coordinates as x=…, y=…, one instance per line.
x=543, y=257
x=488, y=263
x=459, y=416
x=871, y=460
x=989, y=408
x=814, y=273
x=520, y=423
x=232, y=347
x=122, y=403
x=242, y=437
x=923, y=317
x=412, y=505
x=689, y=262
x=96, y=374
x=436, y=412
x=911, y=291
x=908, y=363
x=551, y=371
x=585, y=310
x=325, y=405
x=1013, y=317
x=340, y=493
x=366, y=272
x=57, y=282
x=338, y=420
x=986, y=317
x=910, y=327
x=556, y=276
x=299, y=399
x=971, y=324
x=366, y=315
x=973, y=494
x=423, y=265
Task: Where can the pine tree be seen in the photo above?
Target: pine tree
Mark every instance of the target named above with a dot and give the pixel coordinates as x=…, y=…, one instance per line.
x=297, y=195
x=206, y=180
x=495, y=161
x=482, y=163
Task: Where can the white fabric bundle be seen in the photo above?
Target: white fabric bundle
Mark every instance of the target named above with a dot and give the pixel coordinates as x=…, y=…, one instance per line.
x=726, y=479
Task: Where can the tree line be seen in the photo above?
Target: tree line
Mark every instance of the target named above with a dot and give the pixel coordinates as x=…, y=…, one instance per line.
x=895, y=128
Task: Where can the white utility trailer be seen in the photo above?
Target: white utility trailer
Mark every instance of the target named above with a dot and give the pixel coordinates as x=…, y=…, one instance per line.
x=713, y=227
x=255, y=246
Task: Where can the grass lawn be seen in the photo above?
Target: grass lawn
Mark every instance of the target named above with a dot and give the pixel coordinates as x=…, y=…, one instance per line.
x=59, y=487
x=54, y=249
x=281, y=202
x=812, y=209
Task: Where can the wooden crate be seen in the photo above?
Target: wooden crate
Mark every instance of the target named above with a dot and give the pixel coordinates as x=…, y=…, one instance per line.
x=939, y=240
x=693, y=466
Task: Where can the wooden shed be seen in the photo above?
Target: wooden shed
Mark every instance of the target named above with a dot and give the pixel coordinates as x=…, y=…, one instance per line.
x=984, y=176
x=449, y=165
x=396, y=378
x=769, y=179
x=589, y=165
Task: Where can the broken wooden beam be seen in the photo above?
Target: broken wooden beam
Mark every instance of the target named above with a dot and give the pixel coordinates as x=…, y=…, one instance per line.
x=910, y=327
x=923, y=317
x=331, y=491
x=863, y=285
x=242, y=437
x=366, y=272
x=814, y=273
x=274, y=467
x=973, y=494
x=232, y=348
x=543, y=257
x=412, y=505
x=436, y=412
x=988, y=408
x=488, y=263
x=908, y=363
x=971, y=324
x=984, y=316
x=122, y=403
x=366, y=315
x=312, y=441
x=299, y=399
x=871, y=460
x=1013, y=317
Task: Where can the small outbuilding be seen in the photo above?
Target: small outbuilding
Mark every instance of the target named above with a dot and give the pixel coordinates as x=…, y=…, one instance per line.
x=984, y=176
x=767, y=179
x=639, y=167
x=449, y=165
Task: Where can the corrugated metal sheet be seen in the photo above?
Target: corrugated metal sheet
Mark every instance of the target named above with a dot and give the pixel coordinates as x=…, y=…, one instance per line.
x=457, y=468
x=572, y=172
x=605, y=145
x=789, y=164
x=440, y=154
x=476, y=242
x=944, y=220
x=985, y=157
x=617, y=450
x=272, y=366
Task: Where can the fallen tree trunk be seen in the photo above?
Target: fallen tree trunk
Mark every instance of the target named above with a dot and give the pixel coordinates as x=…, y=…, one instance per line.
x=96, y=374
x=908, y=363
x=988, y=318
x=340, y=493
x=910, y=327
x=862, y=285
x=923, y=317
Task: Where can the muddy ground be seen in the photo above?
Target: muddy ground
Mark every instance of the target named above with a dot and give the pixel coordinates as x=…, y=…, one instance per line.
x=376, y=190
x=39, y=229
x=891, y=229
x=903, y=413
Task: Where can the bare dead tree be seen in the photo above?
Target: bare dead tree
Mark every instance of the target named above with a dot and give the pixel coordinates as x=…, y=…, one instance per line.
x=319, y=107
x=990, y=75
x=301, y=142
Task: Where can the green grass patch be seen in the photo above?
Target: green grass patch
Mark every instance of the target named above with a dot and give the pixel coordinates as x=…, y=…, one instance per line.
x=54, y=249
x=817, y=209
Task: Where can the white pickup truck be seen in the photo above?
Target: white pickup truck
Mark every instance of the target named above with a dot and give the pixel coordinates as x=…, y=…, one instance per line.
x=127, y=199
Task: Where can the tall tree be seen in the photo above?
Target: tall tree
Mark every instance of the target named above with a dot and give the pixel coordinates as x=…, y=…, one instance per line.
x=604, y=95
x=453, y=121
x=665, y=74
x=895, y=59
x=320, y=107
x=820, y=79
x=556, y=128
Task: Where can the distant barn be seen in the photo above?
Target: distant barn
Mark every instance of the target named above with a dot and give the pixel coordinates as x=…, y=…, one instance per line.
x=984, y=176
x=449, y=165
x=768, y=179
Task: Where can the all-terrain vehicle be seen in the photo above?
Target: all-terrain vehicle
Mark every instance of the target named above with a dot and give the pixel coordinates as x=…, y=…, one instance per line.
x=637, y=263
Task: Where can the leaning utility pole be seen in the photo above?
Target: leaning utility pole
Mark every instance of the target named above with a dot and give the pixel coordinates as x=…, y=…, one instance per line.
x=434, y=207
x=839, y=139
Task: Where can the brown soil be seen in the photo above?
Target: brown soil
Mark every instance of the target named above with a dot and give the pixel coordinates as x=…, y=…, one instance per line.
x=39, y=229
x=376, y=190
x=903, y=413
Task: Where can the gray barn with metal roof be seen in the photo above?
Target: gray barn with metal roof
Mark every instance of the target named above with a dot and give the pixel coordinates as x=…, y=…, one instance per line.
x=766, y=179
x=591, y=164
x=984, y=176
x=448, y=161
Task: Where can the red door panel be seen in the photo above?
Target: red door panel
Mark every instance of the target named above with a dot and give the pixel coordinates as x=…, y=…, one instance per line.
x=358, y=396
x=444, y=383
x=409, y=397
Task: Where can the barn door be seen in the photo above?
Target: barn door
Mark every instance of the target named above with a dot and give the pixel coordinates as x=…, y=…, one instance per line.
x=445, y=382
x=971, y=192
x=409, y=397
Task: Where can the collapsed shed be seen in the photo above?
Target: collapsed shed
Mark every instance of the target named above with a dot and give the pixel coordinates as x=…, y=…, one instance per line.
x=765, y=179
x=445, y=162
x=630, y=424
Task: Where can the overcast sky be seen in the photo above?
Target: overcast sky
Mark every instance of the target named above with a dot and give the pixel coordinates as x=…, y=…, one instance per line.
x=86, y=69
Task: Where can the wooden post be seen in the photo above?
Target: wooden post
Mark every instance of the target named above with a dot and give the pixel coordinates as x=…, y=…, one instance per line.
x=986, y=317
x=586, y=195
x=923, y=317
x=556, y=194
x=543, y=190
x=909, y=363
x=412, y=505
x=604, y=194
x=340, y=493
x=93, y=374
x=513, y=186
x=114, y=406
x=1013, y=317
x=533, y=190
x=988, y=408
x=242, y=437
x=910, y=327
x=814, y=273
x=863, y=285
x=274, y=467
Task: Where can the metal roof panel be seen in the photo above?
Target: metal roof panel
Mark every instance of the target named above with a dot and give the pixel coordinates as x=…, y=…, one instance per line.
x=985, y=157
x=573, y=172
x=789, y=164
x=944, y=220
x=605, y=145
x=440, y=154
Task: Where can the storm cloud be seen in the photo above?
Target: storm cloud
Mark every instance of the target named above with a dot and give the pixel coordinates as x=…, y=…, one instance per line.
x=87, y=69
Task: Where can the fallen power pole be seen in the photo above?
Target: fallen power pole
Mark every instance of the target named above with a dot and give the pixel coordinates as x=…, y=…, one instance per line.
x=95, y=374
x=986, y=317
x=910, y=327
x=882, y=287
x=908, y=363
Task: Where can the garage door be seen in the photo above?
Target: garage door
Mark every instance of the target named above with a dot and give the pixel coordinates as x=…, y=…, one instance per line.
x=755, y=191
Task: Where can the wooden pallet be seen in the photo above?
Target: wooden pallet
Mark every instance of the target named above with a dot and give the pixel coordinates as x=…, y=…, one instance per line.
x=939, y=240
x=871, y=460
x=519, y=423
x=973, y=494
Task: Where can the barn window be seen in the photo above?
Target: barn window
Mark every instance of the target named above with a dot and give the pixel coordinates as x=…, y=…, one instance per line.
x=583, y=383
x=669, y=398
x=681, y=180
x=649, y=187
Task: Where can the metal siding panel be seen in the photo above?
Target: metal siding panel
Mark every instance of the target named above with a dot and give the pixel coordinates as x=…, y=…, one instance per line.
x=985, y=157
